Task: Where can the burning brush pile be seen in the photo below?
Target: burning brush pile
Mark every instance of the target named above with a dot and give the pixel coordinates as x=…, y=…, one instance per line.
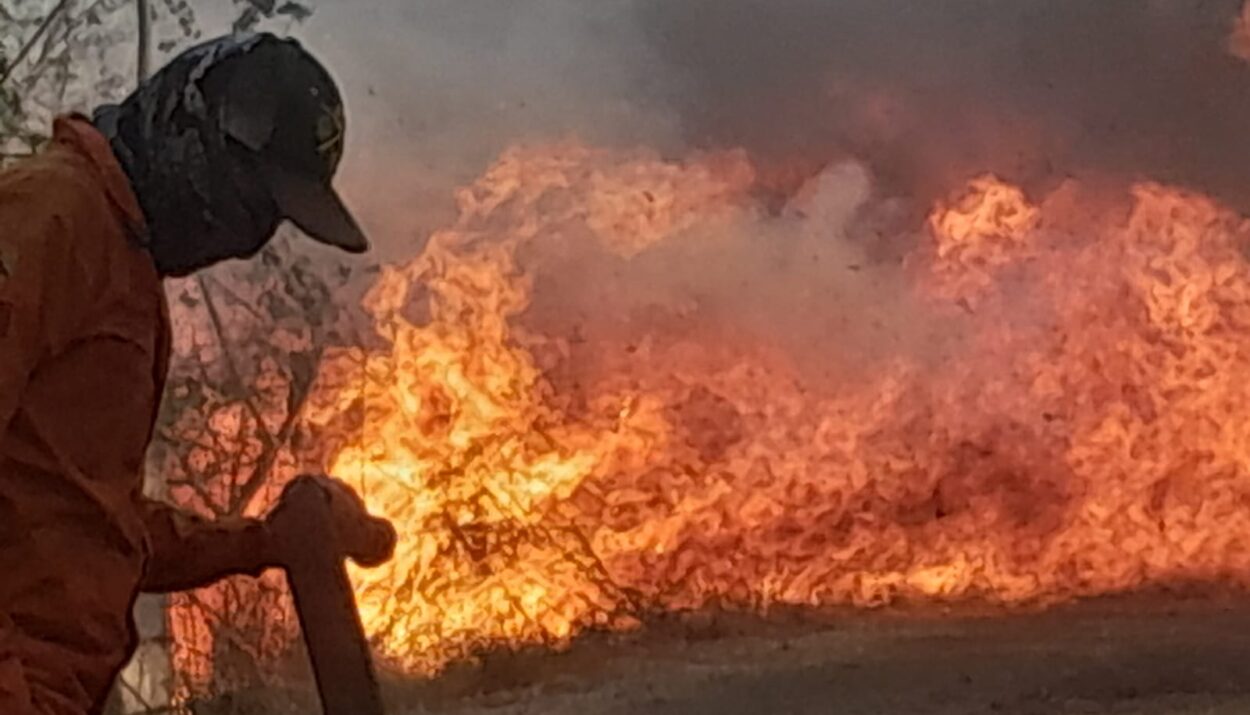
x=1044, y=398
x=622, y=383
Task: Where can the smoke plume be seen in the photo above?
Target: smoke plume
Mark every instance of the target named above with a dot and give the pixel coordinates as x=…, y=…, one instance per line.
x=855, y=116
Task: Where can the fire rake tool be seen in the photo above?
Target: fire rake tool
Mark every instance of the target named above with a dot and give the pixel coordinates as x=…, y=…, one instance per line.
x=326, y=604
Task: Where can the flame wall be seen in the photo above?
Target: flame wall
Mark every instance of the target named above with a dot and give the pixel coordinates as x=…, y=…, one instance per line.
x=827, y=368
x=1063, y=413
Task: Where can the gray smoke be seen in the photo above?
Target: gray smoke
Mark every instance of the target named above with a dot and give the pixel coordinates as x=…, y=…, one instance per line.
x=923, y=92
x=919, y=94
x=928, y=91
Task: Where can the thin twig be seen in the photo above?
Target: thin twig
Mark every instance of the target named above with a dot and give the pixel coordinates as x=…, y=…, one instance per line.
x=236, y=377
x=264, y=466
x=138, y=696
x=273, y=443
x=235, y=299
x=210, y=502
x=30, y=43
x=145, y=33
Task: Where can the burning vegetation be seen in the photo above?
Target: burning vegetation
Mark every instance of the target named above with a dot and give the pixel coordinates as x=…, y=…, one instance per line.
x=1081, y=430
x=622, y=383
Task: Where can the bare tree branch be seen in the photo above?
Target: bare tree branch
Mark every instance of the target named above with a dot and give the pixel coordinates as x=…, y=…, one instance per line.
x=235, y=377
x=273, y=444
x=145, y=40
x=32, y=40
x=260, y=475
x=235, y=299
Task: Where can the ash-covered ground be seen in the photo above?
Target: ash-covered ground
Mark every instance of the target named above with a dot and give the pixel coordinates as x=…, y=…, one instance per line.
x=1132, y=655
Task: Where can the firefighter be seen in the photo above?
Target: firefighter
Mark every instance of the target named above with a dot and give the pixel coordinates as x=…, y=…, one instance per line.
x=202, y=164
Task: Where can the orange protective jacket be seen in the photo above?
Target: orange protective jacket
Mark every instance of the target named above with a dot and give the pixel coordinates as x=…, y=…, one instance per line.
x=84, y=350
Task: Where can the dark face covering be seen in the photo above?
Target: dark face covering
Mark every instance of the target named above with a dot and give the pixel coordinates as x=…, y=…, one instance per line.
x=201, y=194
x=226, y=142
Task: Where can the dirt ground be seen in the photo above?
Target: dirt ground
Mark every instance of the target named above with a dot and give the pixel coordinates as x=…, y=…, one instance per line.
x=1139, y=655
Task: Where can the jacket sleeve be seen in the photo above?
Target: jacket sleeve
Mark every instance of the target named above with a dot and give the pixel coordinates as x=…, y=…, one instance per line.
x=189, y=551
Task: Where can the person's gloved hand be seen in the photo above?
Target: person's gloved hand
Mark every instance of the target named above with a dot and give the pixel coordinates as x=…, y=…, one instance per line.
x=368, y=540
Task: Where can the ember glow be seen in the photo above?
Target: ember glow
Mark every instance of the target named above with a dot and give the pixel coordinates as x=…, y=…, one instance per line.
x=1089, y=432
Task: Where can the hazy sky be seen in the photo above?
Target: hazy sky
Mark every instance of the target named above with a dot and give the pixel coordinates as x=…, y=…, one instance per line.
x=919, y=94
x=436, y=88
x=925, y=92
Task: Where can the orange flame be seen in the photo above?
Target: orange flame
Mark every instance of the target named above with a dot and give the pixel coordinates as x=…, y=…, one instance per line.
x=1092, y=434
x=987, y=228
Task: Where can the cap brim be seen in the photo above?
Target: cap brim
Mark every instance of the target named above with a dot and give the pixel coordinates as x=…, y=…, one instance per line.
x=316, y=209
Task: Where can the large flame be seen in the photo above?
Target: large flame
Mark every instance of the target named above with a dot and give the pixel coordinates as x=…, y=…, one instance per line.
x=1090, y=434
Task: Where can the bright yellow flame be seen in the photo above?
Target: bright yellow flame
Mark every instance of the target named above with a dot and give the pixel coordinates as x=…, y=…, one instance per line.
x=988, y=227
x=1091, y=436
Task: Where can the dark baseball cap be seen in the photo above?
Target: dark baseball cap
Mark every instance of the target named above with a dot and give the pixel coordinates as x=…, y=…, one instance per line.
x=281, y=104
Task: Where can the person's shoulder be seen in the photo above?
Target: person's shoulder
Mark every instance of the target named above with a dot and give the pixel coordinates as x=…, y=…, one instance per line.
x=53, y=198
x=56, y=180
